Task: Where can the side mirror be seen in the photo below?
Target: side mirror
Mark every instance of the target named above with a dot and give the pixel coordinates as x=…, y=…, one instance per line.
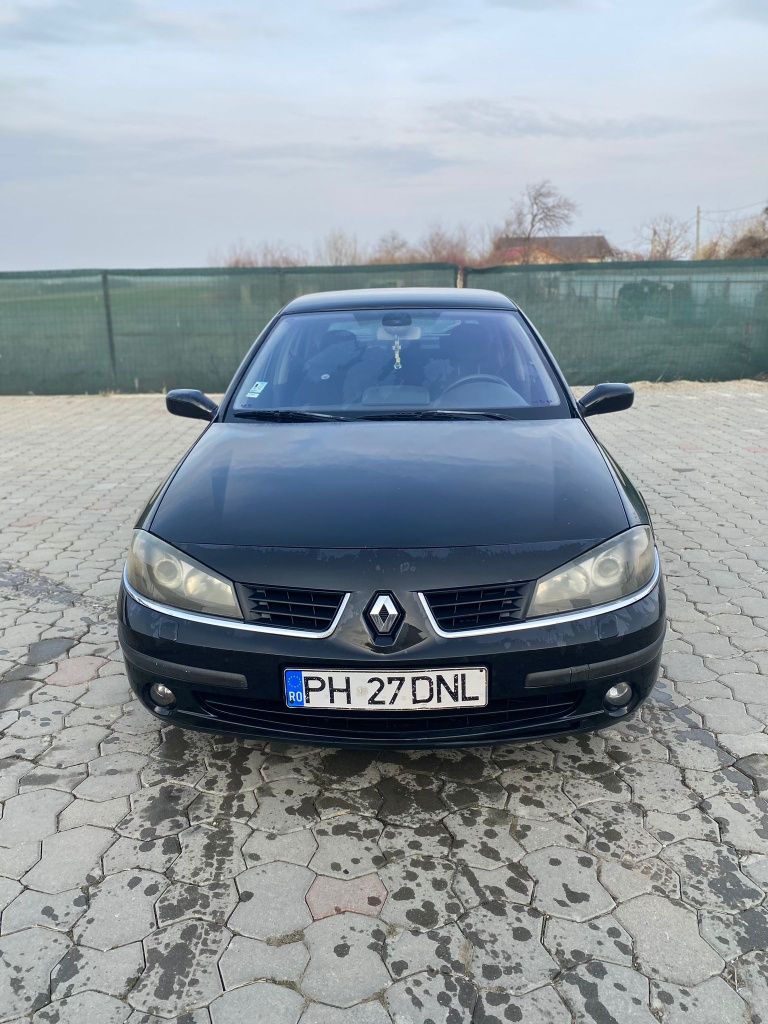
x=606, y=398
x=191, y=403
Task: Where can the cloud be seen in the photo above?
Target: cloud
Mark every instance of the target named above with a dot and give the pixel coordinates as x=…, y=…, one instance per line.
x=747, y=10
x=37, y=156
x=551, y=5
x=497, y=120
x=65, y=22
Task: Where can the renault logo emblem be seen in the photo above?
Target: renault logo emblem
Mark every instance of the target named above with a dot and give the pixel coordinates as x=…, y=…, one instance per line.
x=383, y=615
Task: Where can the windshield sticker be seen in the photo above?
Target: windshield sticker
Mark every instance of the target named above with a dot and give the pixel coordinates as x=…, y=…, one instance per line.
x=256, y=388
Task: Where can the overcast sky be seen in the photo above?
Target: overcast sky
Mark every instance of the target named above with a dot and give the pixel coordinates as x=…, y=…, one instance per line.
x=139, y=133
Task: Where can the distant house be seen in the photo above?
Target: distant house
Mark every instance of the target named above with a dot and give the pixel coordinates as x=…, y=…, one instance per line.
x=554, y=249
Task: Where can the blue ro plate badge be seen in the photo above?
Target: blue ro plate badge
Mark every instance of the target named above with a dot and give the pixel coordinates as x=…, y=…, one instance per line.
x=440, y=689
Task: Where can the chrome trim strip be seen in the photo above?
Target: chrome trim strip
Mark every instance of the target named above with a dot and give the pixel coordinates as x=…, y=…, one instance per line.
x=215, y=620
x=547, y=620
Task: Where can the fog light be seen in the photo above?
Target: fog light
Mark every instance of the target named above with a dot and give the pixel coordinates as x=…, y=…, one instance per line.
x=162, y=695
x=618, y=696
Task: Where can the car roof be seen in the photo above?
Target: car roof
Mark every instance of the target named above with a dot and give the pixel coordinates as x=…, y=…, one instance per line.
x=383, y=298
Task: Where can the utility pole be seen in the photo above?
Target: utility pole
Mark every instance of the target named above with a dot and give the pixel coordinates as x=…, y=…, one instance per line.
x=698, y=233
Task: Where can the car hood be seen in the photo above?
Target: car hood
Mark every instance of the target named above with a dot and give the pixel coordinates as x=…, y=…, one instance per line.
x=540, y=485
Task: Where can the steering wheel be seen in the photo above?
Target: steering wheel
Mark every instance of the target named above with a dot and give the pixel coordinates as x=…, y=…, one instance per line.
x=509, y=395
x=472, y=378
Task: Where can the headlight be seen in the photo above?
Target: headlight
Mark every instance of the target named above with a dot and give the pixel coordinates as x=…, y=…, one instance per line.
x=608, y=572
x=167, y=575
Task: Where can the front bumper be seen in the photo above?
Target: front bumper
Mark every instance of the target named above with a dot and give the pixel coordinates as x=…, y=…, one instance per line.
x=543, y=681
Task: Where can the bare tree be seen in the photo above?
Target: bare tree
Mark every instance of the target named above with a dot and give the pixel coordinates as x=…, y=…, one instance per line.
x=393, y=247
x=446, y=245
x=750, y=241
x=265, y=254
x=339, y=249
x=542, y=209
x=667, y=238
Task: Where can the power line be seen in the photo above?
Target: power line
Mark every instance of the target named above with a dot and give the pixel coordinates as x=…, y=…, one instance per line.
x=735, y=209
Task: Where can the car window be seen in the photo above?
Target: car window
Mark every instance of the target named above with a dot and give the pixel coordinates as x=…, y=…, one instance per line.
x=361, y=361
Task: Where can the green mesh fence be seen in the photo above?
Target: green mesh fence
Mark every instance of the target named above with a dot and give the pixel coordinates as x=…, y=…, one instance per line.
x=645, y=321
x=89, y=331
x=132, y=330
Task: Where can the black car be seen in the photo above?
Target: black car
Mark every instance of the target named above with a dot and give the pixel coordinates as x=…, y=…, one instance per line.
x=398, y=530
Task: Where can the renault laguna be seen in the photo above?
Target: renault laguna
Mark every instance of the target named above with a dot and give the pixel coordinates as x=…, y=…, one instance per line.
x=396, y=530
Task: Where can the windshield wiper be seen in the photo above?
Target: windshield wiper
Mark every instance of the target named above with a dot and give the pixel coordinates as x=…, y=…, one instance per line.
x=435, y=414
x=285, y=415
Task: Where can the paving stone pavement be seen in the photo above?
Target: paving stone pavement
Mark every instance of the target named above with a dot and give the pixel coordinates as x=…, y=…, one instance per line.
x=148, y=875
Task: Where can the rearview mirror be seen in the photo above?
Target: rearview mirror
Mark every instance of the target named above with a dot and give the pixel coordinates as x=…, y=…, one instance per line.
x=606, y=398
x=192, y=403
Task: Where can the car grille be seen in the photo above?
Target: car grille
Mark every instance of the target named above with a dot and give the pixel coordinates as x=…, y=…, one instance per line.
x=309, y=610
x=500, y=720
x=479, y=607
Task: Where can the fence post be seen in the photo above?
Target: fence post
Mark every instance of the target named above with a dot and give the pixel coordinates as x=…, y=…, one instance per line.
x=110, y=330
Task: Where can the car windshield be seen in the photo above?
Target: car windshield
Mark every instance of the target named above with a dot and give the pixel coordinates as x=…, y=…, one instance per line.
x=399, y=363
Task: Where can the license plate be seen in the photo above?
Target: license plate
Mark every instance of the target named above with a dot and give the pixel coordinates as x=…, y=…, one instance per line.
x=433, y=689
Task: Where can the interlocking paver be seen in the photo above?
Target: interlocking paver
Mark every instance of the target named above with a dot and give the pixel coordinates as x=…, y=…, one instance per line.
x=64, y=779
x=60, y=911
x=363, y=895
x=420, y=892
x=122, y=909
x=31, y=816
x=345, y=965
x=690, y=824
x=616, y=831
x=411, y=800
x=602, y=938
x=26, y=960
x=509, y=882
x=263, y=1003
x=536, y=792
x=84, y=1007
x=70, y=859
x=483, y=837
x=9, y=890
x=181, y=968
x=430, y=840
x=712, y=1002
x=567, y=884
x=442, y=949
x=39, y=719
x=743, y=821
x=605, y=991
x=157, y=811
x=213, y=902
x=82, y=969
x=73, y=745
x=370, y=1012
x=753, y=970
x=210, y=852
x=292, y=847
x=732, y=935
x=111, y=776
x=507, y=951
x=347, y=846
x=152, y=854
x=106, y=813
x=543, y=1004
x=710, y=876
x=272, y=901
x=285, y=806
x=683, y=957
x=246, y=960
x=434, y=997
x=657, y=786
x=663, y=816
